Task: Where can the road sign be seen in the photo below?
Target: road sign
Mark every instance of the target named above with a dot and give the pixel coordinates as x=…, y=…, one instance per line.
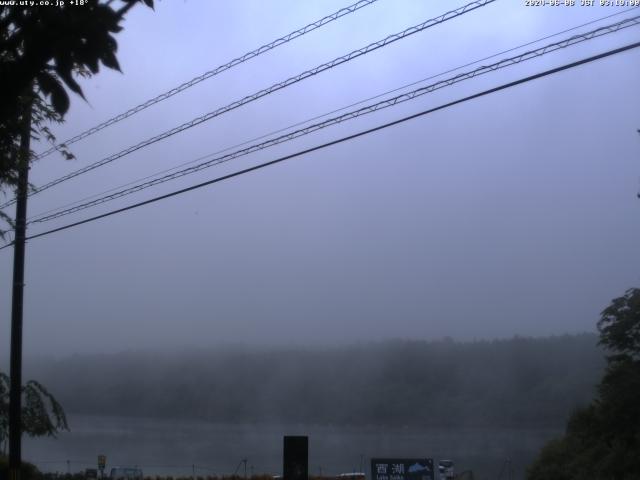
x=402, y=469
x=102, y=461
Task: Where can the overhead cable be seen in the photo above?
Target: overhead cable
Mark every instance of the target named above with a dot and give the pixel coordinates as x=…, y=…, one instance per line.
x=211, y=73
x=278, y=86
x=317, y=117
x=576, y=39
x=341, y=140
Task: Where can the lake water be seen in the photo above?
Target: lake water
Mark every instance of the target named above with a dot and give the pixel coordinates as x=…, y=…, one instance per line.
x=179, y=447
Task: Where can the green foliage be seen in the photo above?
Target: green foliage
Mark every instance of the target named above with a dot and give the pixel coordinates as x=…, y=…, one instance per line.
x=602, y=441
x=42, y=415
x=42, y=51
x=551, y=462
x=28, y=471
x=49, y=46
x=619, y=325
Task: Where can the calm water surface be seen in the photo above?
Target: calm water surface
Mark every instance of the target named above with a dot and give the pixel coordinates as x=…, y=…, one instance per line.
x=179, y=447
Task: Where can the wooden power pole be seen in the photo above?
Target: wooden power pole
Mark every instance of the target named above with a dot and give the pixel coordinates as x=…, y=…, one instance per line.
x=15, y=394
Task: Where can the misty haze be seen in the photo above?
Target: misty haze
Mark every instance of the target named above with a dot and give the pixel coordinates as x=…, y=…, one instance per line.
x=391, y=226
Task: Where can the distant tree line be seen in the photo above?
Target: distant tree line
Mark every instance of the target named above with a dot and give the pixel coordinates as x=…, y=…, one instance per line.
x=516, y=382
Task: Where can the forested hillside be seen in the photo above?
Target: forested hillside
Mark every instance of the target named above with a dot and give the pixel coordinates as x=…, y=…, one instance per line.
x=516, y=382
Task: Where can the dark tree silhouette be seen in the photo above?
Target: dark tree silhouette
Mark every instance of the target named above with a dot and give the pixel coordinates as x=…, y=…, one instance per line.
x=47, y=45
x=603, y=439
x=619, y=326
x=42, y=50
x=42, y=415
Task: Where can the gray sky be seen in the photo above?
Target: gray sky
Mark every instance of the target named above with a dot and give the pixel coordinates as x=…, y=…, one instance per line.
x=513, y=214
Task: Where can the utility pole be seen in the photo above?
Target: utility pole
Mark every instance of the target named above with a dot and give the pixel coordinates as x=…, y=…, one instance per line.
x=15, y=394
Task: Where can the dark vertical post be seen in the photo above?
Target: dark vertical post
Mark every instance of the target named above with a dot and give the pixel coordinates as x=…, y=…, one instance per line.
x=295, y=458
x=15, y=400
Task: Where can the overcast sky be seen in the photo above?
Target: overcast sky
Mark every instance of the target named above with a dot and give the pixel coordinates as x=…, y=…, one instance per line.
x=512, y=214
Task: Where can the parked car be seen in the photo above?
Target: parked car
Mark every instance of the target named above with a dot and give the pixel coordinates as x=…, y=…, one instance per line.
x=351, y=476
x=125, y=473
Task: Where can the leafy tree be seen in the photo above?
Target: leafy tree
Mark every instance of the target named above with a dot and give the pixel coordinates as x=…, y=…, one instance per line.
x=619, y=326
x=47, y=45
x=42, y=415
x=42, y=50
x=602, y=441
x=28, y=471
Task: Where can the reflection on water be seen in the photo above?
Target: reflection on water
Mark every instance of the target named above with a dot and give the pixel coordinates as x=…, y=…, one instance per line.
x=179, y=447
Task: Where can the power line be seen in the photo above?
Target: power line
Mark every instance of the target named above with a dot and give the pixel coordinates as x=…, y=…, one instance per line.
x=343, y=139
x=628, y=22
x=308, y=120
x=211, y=73
x=273, y=88
x=140, y=465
